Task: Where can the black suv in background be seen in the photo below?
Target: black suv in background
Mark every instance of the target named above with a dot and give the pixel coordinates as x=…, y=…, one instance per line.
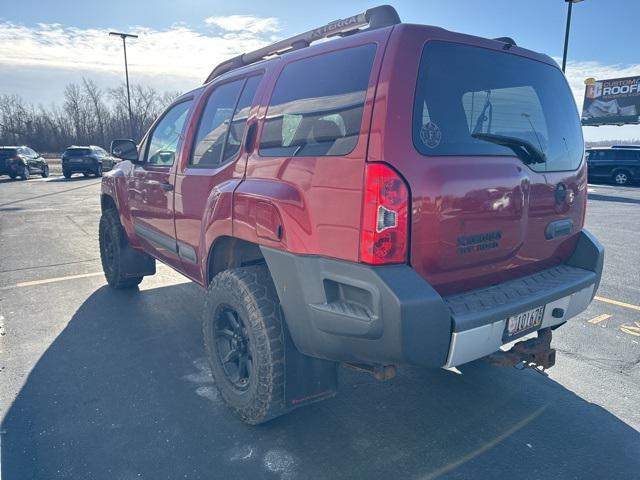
x=22, y=162
x=620, y=164
x=88, y=160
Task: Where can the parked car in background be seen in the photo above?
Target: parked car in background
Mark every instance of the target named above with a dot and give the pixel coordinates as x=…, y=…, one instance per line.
x=620, y=164
x=21, y=162
x=88, y=160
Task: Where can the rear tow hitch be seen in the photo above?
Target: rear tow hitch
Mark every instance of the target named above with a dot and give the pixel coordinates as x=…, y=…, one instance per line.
x=379, y=372
x=531, y=353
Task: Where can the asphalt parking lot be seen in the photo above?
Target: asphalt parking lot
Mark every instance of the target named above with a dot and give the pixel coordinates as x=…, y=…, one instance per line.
x=100, y=384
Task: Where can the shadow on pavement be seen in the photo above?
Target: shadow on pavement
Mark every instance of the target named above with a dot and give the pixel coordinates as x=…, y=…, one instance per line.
x=74, y=178
x=124, y=392
x=612, y=198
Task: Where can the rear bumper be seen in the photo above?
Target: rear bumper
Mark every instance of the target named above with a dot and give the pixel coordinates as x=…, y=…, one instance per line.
x=350, y=312
x=74, y=167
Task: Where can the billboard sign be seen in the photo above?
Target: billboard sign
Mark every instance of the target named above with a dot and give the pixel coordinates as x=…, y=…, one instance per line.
x=611, y=102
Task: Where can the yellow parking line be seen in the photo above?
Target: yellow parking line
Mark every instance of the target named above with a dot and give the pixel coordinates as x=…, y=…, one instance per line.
x=618, y=303
x=600, y=318
x=631, y=329
x=57, y=279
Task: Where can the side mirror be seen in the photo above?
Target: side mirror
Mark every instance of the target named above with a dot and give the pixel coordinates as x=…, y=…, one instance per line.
x=125, y=149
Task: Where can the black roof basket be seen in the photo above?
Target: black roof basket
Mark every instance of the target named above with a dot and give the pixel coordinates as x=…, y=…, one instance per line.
x=376, y=17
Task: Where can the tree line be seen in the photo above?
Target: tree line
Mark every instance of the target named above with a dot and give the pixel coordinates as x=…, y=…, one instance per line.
x=88, y=115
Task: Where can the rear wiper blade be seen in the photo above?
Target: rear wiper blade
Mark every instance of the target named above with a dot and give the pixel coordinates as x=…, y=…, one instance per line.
x=526, y=151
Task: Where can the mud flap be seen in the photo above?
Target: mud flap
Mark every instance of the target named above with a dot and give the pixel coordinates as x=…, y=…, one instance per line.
x=135, y=264
x=307, y=379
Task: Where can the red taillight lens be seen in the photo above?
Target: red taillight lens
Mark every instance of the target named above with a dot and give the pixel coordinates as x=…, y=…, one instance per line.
x=384, y=232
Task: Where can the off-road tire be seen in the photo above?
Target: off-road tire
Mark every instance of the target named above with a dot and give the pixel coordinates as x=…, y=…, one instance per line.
x=112, y=235
x=251, y=293
x=66, y=174
x=45, y=171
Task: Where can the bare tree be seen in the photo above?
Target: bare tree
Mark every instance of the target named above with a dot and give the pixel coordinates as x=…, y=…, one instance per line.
x=87, y=115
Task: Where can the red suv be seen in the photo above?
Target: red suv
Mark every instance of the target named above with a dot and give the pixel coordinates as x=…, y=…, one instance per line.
x=401, y=194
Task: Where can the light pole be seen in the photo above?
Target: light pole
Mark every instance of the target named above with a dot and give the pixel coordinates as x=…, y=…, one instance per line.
x=126, y=72
x=566, y=32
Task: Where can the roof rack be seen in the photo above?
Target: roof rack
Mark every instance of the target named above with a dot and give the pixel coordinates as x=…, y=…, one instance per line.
x=376, y=17
x=507, y=40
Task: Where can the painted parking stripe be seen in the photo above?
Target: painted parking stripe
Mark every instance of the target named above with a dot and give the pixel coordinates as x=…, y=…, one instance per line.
x=617, y=302
x=56, y=279
x=600, y=318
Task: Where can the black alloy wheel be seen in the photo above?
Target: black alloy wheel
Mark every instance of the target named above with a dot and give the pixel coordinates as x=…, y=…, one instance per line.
x=233, y=347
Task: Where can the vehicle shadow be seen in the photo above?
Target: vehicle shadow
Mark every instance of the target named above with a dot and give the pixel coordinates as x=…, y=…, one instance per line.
x=612, y=198
x=125, y=392
x=74, y=178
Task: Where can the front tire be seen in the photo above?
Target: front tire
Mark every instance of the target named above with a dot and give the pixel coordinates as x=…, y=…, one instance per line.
x=45, y=171
x=243, y=335
x=24, y=174
x=622, y=177
x=99, y=171
x=112, y=241
x=67, y=174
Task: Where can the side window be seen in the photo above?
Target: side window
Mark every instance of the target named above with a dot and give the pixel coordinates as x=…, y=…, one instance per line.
x=213, y=125
x=239, y=119
x=167, y=134
x=317, y=103
x=626, y=155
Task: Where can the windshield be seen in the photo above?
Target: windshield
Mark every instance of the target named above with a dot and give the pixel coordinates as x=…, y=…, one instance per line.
x=466, y=97
x=77, y=152
x=7, y=152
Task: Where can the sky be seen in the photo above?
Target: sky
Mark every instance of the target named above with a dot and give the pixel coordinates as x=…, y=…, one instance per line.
x=45, y=44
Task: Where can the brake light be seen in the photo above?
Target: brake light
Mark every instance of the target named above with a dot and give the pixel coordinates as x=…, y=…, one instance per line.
x=384, y=232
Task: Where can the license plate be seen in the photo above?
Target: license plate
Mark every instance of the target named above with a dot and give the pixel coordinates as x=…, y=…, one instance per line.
x=522, y=322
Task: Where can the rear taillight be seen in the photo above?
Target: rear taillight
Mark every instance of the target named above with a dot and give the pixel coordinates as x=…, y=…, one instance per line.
x=384, y=233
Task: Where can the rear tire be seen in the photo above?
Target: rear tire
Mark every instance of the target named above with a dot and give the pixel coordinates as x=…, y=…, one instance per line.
x=67, y=174
x=622, y=177
x=242, y=314
x=45, y=171
x=85, y=174
x=113, y=240
x=12, y=176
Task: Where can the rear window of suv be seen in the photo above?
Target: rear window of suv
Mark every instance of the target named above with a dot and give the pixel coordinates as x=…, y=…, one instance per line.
x=7, y=153
x=470, y=101
x=78, y=152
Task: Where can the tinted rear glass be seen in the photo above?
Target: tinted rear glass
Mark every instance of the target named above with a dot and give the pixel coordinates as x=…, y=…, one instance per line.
x=464, y=90
x=77, y=152
x=316, y=107
x=7, y=152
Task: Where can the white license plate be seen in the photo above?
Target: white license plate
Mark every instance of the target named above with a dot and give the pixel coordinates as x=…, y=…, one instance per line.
x=524, y=321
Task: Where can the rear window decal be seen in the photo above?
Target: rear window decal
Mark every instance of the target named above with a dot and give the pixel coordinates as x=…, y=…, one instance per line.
x=430, y=135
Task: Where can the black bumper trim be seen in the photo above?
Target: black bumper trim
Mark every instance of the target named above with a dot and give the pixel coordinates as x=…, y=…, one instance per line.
x=350, y=312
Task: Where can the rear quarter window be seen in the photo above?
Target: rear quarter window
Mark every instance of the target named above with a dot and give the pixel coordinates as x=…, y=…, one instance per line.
x=317, y=103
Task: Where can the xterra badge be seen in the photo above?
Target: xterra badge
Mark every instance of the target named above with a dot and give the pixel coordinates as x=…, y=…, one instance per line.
x=478, y=242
